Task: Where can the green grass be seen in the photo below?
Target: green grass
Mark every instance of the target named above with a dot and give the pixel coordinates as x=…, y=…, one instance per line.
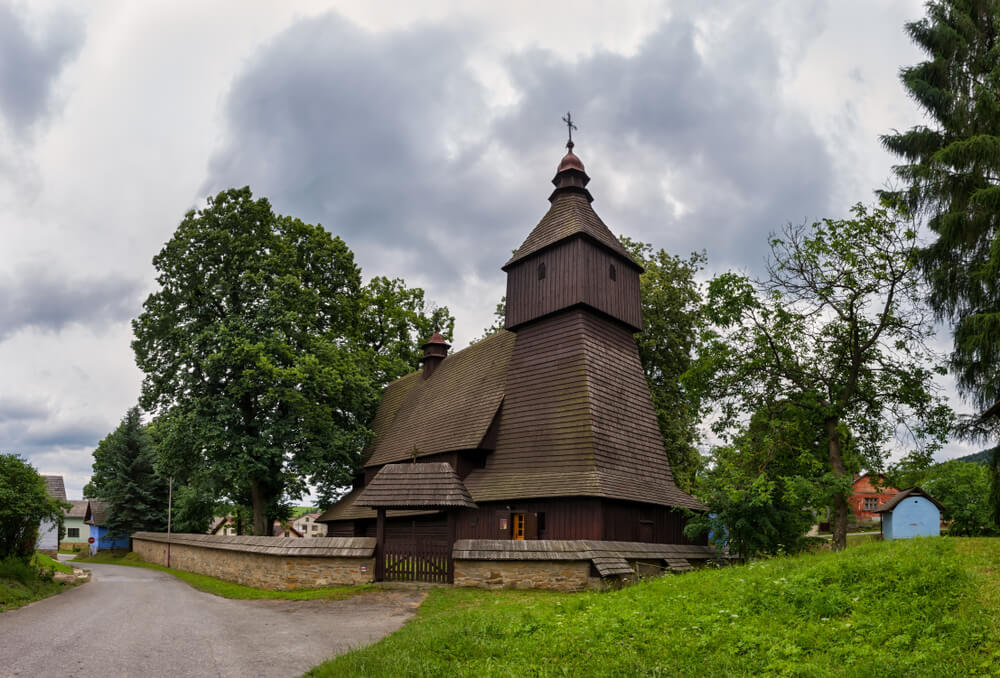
x=927, y=607
x=44, y=561
x=227, y=589
x=22, y=583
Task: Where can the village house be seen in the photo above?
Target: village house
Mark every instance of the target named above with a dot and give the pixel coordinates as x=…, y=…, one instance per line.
x=48, y=531
x=866, y=499
x=307, y=525
x=540, y=439
x=77, y=532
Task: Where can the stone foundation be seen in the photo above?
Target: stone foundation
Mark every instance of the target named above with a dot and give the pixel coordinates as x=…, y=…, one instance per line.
x=80, y=547
x=555, y=575
x=282, y=572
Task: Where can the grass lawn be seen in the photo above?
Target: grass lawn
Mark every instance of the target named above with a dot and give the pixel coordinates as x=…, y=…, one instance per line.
x=925, y=607
x=21, y=583
x=221, y=587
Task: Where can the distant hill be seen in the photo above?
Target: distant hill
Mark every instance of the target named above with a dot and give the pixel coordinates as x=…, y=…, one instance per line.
x=982, y=457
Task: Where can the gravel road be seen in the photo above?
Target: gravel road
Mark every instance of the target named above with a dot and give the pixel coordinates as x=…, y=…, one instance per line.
x=135, y=622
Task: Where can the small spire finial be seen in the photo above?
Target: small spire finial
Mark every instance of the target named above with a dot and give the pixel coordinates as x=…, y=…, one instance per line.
x=570, y=126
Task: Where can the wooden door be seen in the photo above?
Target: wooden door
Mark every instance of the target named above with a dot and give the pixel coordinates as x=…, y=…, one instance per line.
x=517, y=525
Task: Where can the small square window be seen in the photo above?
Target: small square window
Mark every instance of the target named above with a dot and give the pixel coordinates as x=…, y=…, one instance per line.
x=871, y=503
x=73, y=532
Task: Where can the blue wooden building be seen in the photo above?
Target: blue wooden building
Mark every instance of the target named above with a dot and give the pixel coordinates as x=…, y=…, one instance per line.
x=911, y=513
x=96, y=512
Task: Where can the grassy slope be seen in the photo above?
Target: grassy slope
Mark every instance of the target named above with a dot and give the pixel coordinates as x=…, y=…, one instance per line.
x=20, y=584
x=919, y=607
x=226, y=589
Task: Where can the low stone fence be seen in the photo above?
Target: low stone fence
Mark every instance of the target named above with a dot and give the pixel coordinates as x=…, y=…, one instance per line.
x=567, y=565
x=278, y=563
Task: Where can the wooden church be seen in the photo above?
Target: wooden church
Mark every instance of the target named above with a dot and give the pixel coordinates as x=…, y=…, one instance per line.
x=544, y=430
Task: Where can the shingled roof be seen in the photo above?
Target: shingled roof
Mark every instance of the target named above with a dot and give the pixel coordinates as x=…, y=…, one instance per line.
x=98, y=512
x=55, y=487
x=416, y=486
x=452, y=410
x=78, y=510
x=570, y=214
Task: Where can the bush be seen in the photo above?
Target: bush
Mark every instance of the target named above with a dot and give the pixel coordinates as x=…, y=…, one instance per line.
x=19, y=570
x=24, y=504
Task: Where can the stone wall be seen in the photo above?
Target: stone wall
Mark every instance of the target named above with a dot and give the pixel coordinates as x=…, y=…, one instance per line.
x=247, y=566
x=555, y=575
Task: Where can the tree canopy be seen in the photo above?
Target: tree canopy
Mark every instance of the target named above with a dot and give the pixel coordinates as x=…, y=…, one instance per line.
x=835, y=330
x=264, y=355
x=124, y=476
x=951, y=174
x=24, y=504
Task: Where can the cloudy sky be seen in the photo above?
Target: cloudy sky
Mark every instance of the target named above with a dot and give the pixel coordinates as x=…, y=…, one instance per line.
x=424, y=134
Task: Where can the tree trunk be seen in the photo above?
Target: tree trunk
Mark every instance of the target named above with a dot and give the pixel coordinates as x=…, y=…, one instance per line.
x=839, y=500
x=261, y=525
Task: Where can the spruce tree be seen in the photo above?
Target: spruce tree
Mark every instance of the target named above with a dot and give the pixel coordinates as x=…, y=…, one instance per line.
x=125, y=477
x=952, y=176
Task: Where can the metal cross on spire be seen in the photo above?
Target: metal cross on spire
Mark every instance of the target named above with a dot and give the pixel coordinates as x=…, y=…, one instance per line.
x=568, y=119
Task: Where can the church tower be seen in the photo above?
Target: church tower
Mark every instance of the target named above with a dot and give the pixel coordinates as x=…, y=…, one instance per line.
x=571, y=259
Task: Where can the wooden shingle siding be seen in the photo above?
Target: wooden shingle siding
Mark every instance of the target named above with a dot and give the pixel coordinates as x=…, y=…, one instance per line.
x=576, y=272
x=577, y=419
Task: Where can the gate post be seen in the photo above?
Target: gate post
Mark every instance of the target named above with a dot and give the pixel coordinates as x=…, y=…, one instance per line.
x=380, y=545
x=452, y=523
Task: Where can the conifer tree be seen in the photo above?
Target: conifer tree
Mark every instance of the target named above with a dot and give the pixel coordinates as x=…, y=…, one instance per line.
x=125, y=477
x=951, y=174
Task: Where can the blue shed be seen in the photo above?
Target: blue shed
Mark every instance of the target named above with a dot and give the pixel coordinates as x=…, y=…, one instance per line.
x=96, y=513
x=911, y=513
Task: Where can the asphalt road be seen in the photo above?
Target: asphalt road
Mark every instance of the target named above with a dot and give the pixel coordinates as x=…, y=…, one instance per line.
x=129, y=621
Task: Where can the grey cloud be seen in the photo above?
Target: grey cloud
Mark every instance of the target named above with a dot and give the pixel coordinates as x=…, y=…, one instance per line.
x=14, y=410
x=36, y=298
x=742, y=163
x=30, y=63
x=368, y=134
x=353, y=130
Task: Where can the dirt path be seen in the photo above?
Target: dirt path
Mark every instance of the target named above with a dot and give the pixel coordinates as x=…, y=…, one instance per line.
x=136, y=622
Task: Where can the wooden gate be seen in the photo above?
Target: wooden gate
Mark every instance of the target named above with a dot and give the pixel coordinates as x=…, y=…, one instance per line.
x=426, y=562
x=415, y=549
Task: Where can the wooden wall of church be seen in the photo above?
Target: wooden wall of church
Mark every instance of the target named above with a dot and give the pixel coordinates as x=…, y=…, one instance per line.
x=576, y=271
x=625, y=521
x=559, y=519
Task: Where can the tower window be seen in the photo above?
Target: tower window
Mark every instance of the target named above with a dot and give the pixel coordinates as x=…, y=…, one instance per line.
x=541, y=271
x=612, y=272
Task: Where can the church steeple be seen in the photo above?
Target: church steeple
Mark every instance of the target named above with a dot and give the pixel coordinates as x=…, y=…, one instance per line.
x=571, y=259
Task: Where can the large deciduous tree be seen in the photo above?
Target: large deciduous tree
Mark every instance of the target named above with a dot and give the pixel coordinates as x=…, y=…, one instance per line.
x=258, y=352
x=951, y=174
x=124, y=475
x=836, y=330
x=671, y=312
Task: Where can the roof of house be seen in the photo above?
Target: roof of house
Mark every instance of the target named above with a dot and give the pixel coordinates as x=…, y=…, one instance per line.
x=278, y=527
x=911, y=492
x=55, y=487
x=416, y=486
x=97, y=511
x=78, y=510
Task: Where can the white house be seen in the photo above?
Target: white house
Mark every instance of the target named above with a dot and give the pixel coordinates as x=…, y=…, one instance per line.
x=48, y=531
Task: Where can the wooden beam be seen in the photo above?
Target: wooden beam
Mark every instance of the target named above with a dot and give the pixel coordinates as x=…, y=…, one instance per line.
x=380, y=545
